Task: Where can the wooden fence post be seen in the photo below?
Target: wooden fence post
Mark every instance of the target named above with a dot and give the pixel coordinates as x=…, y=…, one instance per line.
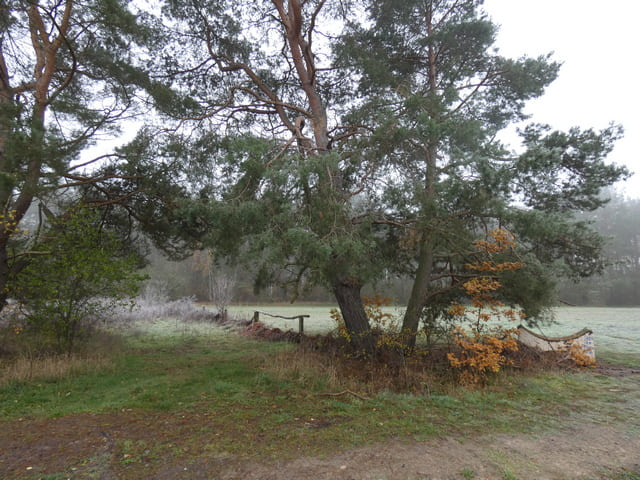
x=256, y=318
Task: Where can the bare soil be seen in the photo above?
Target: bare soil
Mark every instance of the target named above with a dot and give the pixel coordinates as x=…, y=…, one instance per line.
x=88, y=446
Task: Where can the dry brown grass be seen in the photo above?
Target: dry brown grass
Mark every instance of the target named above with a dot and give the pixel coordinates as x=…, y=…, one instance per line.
x=308, y=369
x=51, y=367
x=325, y=363
x=26, y=357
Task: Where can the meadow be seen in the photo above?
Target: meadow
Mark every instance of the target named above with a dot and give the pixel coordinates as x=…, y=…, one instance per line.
x=616, y=330
x=168, y=398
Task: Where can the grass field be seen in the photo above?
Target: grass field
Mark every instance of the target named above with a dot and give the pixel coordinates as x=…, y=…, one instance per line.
x=168, y=367
x=201, y=391
x=615, y=329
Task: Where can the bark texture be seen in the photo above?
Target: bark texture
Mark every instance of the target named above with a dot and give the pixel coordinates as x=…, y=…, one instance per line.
x=347, y=293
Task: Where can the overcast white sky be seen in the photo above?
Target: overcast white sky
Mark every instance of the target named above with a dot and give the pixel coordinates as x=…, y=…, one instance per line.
x=598, y=44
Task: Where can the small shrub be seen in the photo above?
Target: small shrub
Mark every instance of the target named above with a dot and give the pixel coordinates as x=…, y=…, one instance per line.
x=152, y=307
x=581, y=358
x=481, y=354
x=482, y=348
x=79, y=276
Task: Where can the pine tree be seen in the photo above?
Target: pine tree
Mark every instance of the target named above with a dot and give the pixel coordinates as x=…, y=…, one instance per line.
x=436, y=94
x=344, y=140
x=283, y=189
x=69, y=71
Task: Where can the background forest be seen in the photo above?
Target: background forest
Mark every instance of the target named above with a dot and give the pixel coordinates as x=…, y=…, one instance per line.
x=618, y=285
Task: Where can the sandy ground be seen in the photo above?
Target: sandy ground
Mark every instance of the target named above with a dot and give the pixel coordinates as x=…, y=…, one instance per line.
x=586, y=451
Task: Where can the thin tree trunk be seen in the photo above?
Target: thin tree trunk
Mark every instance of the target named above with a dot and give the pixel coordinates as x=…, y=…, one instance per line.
x=5, y=191
x=424, y=270
x=411, y=320
x=4, y=275
x=347, y=293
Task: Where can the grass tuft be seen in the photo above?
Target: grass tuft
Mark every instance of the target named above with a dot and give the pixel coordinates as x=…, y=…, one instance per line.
x=468, y=473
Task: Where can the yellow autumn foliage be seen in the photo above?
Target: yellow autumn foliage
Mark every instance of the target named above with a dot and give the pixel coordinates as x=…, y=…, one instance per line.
x=481, y=348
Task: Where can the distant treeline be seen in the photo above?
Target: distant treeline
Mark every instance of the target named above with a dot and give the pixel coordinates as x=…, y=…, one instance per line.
x=618, y=285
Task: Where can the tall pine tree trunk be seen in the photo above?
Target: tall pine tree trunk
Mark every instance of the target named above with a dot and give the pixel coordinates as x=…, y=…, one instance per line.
x=345, y=288
x=424, y=268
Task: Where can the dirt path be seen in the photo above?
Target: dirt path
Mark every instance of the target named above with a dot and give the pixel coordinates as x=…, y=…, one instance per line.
x=587, y=451
x=86, y=447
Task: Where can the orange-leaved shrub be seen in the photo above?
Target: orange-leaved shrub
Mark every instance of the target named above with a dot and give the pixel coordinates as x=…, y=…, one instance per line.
x=580, y=357
x=481, y=340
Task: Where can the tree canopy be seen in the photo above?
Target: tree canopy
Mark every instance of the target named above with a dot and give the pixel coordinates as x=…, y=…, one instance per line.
x=352, y=140
x=325, y=142
x=438, y=93
x=71, y=72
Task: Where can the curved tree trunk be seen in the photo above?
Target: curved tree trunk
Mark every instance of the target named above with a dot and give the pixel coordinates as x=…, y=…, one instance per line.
x=418, y=296
x=46, y=46
x=346, y=290
x=347, y=293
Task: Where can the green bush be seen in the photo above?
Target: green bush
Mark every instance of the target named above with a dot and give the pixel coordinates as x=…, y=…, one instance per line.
x=77, y=273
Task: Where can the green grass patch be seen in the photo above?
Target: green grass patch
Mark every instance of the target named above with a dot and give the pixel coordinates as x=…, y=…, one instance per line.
x=625, y=475
x=628, y=476
x=153, y=373
x=468, y=473
x=219, y=394
x=624, y=359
